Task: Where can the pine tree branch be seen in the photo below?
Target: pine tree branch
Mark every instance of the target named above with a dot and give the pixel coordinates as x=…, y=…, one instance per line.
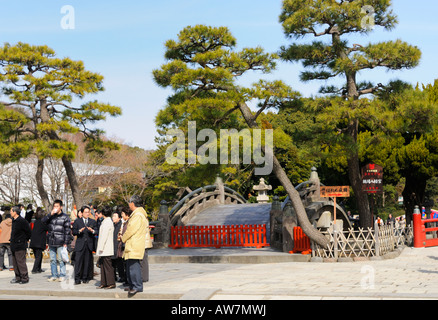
x=319, y=34
x=226, y=115
x=356, y=47
x=265, y=105
x=371, y=90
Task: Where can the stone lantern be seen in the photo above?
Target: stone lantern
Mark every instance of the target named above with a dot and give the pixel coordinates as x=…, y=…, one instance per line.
x=262, y=190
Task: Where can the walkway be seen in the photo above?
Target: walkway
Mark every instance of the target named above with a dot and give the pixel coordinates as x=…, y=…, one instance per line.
x=412, y=275
x=233, y=214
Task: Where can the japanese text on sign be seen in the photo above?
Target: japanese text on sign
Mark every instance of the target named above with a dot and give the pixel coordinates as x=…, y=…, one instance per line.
x=373, y=181
x=338, y=191
x=372, y=178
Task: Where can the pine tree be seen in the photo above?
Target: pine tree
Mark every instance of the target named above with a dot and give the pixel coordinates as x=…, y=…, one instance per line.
x=40, y=112
x=409, y=119
x=203, y=70
x=335, y=21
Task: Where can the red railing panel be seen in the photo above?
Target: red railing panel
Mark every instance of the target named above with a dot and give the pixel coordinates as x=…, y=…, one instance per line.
x=420, y=230
x=301, y=242
x=219, y=236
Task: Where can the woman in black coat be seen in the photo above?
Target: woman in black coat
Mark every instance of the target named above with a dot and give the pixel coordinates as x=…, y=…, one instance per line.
x=38, y=240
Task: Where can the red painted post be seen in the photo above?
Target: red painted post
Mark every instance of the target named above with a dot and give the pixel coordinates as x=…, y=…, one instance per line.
x=215, y=237
x=231, y=236
x=186, y=242
x=224, y=236
x=261, y=236
x=174, y=238
x=180, y=235
x=209, y=231
x=249, y=231
x=203, y=237
x=297, y=239
x=258, y=236
x=235, y=236
x=419, y=229
x=187, y=236
x=239, y=235
x=200, y=236
x=225, y=233
x=196, y=236
x=183, y=232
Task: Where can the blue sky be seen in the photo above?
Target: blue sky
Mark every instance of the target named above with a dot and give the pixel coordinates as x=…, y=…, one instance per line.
x=124, y=41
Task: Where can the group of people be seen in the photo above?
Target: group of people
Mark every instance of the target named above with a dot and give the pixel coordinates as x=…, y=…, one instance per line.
x=397, y=221
x=120, y=238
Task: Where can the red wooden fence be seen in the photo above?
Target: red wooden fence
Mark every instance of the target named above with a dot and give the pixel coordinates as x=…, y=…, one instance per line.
x=218, y=236
x=420, y=230
x=301, y=242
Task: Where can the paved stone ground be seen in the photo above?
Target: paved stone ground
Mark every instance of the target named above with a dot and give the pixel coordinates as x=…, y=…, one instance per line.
x=411, y=275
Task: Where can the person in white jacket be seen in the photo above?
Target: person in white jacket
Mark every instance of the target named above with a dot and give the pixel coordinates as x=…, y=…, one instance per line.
x=105, y=250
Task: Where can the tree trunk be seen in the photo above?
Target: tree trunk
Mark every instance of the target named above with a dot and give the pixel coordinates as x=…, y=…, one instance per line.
x=294, y=196
x=366, y=220
x=40, y=185
x=73, y=182
x=354, y=172
x=355, y=176
x=413, y=194
x=44, y=115
x=71, y=175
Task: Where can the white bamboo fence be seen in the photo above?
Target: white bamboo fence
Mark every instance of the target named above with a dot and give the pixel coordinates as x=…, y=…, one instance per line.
x=364, y=242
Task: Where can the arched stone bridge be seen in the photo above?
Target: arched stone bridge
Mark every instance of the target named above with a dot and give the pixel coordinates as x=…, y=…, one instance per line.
x=220, y=205
x=202, y=199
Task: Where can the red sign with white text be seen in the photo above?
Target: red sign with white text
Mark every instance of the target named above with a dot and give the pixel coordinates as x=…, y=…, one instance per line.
x=372, y=178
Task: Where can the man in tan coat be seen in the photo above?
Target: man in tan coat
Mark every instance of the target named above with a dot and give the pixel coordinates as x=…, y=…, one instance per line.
x=135, y=244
